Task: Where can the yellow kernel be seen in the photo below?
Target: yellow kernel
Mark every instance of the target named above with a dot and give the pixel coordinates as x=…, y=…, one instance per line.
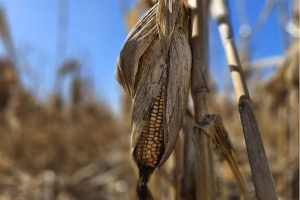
x=156, y=129
x=150, y=142
x=157, y=141
x=157, y=125
x=156, y=103
x=148, y=146
x=144, y=153
x=160, y=114
x=151, y=136
x=151, y=129
x=160, y=135
x=153, y=153
x=160, y=110
x=156, y=138
x=161, y=139
x=153, y=149
x=150, y=159
x=160, y=106
x=145, y=141
x=156, y=134
x=154, y=162
x=159, y=117
x=158, y=121
x=148, y=152
x=153, y=119
x=157, y=98
x=158, y=152
x=153, y=114
x=149, y=139
x=159, y=145
x=152, y=126
x=145, y=149
x=155, y=111
x=148, y=156
x=152, y=122
x=154, y=145
x=144, y=157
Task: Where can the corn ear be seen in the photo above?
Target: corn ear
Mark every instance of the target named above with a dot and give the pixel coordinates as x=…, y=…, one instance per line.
x=154, y=66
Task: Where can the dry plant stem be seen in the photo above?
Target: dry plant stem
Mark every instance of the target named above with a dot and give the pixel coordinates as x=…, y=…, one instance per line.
x=188, y=191
x=205, y=187
x=235, y=68
x=178, y=168
x=220, y=14
x=261, y=174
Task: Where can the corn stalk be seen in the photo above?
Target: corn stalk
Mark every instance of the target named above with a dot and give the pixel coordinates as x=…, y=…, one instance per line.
x=188, y=191
x=205, y=187
x=261, y=174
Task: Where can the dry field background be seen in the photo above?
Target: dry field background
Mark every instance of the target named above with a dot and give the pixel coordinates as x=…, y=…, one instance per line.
x=80, y=149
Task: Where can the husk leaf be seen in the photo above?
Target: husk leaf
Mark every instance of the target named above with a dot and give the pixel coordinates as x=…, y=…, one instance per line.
x=146, y=64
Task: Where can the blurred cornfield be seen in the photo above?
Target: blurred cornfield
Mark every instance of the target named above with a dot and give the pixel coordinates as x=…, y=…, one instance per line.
x=79, y=149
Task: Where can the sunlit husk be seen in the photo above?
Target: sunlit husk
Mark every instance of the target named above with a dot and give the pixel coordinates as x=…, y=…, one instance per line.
x=156, y=57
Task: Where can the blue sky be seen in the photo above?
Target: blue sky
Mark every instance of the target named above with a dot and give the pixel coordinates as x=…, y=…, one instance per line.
x=95, y=34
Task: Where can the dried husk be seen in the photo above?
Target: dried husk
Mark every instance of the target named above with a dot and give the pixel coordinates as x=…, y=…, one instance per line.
x=155, y=55
x=213, y=126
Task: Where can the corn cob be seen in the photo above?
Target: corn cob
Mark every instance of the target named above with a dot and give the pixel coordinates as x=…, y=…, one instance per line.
x=150, y=147
x=154, y=66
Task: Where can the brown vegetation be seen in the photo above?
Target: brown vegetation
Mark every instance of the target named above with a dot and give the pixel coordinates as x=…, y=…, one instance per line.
x=81, y=150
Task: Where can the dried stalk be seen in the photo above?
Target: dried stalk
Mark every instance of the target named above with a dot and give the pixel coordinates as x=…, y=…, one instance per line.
x=178, y=167
x=283, y=18
x=205, y=187
x=263, y=16
x=275, y=61
x=188, y=191
x=261, y=174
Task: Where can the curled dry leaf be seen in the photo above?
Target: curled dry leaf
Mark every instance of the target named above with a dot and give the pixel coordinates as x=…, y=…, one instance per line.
x=154, y=66
x=213, y=126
